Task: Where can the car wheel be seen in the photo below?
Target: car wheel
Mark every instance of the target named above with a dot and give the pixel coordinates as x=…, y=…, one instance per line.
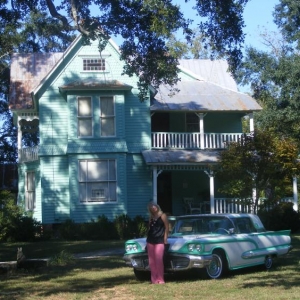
x=218, y=266
x=142, y=275
x=268, y=262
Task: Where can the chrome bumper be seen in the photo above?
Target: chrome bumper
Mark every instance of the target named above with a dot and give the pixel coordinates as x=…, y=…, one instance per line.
x=172, y=262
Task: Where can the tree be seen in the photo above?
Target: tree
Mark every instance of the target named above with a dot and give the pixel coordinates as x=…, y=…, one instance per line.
x=144, y=25
x=263, y=161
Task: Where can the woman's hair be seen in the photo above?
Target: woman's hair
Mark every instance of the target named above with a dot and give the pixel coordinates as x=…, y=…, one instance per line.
x=154, y=204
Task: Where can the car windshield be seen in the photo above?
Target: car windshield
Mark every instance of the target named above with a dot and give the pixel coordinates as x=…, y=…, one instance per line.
x=202, y=225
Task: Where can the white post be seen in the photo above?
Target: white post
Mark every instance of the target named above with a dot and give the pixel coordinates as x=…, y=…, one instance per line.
x=201, y=129
x=254, y=199
x=210, y=174
x=295, y=194
x=154, y=181
x=212, y=194
x=19, y=134
x=251, y=121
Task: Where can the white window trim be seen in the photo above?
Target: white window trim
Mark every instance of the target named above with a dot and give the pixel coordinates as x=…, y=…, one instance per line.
x=86, y=202
x=112, y=116
x=80, y=118
x=32, y=192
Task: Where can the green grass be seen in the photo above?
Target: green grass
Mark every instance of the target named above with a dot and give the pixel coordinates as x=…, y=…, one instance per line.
x=109, y=278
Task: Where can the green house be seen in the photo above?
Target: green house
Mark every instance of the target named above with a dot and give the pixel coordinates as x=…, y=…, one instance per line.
x=89, y=147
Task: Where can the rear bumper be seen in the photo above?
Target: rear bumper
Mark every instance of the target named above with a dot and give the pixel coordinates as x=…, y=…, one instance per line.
x=173, y=262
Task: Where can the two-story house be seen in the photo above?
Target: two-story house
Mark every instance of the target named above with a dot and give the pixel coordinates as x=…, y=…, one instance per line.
x=102, y=151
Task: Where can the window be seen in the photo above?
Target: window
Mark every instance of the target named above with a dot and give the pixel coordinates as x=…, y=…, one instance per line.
x=85, y=121
x=97, y=180
x=107, y=116
x=30, y=191
x=93, y=64
x=192, y=122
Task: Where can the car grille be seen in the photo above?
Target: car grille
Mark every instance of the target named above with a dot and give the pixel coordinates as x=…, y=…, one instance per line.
x=177, y=263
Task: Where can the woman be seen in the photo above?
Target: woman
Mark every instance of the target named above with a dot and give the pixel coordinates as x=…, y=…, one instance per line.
x=157, y=238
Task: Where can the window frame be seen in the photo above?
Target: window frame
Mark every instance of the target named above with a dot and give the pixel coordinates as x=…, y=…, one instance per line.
x=190, y=126
x=86, y=182
x=30, y=190
x=90, y=117
x=107, y=117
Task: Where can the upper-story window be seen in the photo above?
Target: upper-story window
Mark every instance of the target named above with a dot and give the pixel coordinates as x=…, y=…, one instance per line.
x=88, y=125
x=85, y=120
x=93, y=64
x=107, y=116
x=192, y=122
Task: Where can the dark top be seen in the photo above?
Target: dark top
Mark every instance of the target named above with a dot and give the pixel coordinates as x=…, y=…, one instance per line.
x=156, y=231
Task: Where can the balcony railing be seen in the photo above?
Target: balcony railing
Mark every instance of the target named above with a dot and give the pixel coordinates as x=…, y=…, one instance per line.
x=175, y=140
x=28, y=154
x=231, y=205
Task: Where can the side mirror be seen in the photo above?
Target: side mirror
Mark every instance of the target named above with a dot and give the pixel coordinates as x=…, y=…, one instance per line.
x=231, y=231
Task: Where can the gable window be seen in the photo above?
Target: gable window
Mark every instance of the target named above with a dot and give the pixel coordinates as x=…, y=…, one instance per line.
x=93, y=64
x=84, y=115
x=97, y=180
x=107, y=116
x=30, y=191
x=192, y=122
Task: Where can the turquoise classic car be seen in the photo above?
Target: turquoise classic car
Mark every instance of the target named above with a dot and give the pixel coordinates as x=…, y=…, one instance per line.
x=215, y=242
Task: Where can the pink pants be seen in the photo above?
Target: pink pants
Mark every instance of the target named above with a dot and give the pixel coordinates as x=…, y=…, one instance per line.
x=156, y=264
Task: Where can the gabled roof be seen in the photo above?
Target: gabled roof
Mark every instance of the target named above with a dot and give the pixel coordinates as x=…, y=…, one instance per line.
x=29, y=72
x=214, y=71
x=26, y=72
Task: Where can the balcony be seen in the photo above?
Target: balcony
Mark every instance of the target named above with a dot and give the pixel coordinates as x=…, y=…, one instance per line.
x=184, y=140
x=28, y=154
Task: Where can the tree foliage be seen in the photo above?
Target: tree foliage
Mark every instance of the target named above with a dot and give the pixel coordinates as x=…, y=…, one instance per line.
x=263, y=161
x=41, y=25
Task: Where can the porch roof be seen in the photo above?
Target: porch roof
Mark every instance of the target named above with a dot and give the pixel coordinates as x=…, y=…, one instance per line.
x=181, y=157
x=197, y=95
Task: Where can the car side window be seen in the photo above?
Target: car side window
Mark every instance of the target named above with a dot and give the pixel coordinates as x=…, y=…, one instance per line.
x=245, y=225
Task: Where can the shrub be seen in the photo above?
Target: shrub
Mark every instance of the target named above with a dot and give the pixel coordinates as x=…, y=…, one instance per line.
x=123, y=225
x=280, y=217
x=68, y=230
x=62, y=259
x=15, y=225
x=140, y=227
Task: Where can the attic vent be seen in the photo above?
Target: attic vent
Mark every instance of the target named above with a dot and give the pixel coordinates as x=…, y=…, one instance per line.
x=93, y=64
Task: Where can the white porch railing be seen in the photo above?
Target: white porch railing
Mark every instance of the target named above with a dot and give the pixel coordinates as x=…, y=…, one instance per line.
x=231, y=205
x=28, y=154
x=184, y=140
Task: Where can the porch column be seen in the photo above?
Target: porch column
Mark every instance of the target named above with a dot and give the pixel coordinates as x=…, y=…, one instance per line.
x=154, y=183
x=19, y=134
x=201, y=127
x=251, y=122
x=210, y=174
x=295, y=194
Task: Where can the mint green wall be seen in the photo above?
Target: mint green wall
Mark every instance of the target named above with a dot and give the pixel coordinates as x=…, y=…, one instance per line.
x=214, y=122
x=223, y=122
x=60, y=148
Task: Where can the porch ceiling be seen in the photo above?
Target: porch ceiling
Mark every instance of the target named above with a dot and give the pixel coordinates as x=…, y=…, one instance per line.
x=181, y=157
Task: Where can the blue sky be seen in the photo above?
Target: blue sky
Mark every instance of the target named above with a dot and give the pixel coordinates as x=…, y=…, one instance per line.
x=257, y=15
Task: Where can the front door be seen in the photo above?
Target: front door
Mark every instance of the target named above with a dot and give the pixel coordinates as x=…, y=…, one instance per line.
x=164, y=192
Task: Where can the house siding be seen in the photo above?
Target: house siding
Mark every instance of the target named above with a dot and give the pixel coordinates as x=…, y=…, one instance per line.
x=55, y=189
x=139, y=186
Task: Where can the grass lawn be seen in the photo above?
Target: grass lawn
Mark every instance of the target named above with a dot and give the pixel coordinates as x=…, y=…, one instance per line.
x=109, y=278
